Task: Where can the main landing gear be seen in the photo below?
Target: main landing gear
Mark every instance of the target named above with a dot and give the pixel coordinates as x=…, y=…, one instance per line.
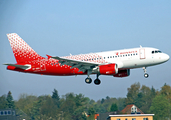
x=145, y=72
x=88, y=80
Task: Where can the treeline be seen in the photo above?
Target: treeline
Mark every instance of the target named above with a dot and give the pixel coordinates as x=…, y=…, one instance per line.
x=78, y=107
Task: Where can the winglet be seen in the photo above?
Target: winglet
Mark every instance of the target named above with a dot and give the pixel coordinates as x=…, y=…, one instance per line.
x=48, y=56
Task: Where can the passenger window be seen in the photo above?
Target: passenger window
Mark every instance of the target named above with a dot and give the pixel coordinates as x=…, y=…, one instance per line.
x=152, y=52
x=110, y=56
x=115, y=56
x=104, y=57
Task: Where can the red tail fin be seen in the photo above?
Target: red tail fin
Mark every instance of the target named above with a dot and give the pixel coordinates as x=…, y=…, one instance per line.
x=22, y=51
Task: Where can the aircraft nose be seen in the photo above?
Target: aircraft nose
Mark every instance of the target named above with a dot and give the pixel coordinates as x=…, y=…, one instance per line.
x=166, y=57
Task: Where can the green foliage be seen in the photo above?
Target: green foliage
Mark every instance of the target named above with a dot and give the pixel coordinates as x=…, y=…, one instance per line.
x=76, y=107
x=114, y=107
x=10, y=101
x=160, y=107
x=140, y=96
x=56, y=98
x=3, y=102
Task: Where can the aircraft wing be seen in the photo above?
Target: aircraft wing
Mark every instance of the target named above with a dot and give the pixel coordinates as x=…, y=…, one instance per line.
x=81, y=65
x=24, y=67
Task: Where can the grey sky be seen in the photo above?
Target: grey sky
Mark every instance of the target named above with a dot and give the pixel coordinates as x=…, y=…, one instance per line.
x=59, y=28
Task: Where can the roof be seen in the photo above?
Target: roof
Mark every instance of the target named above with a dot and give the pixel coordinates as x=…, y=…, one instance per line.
x=127, y=109
x=126, y=115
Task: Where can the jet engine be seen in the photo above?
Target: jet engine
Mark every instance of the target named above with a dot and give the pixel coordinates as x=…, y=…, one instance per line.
x=109, y=69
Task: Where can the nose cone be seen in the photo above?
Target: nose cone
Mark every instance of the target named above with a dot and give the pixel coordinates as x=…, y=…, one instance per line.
x=166, y=57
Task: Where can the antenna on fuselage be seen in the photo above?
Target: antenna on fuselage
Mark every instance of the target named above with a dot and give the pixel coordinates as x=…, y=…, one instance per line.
x=140, y=46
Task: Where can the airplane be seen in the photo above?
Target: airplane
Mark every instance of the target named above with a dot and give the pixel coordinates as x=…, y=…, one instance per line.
x=113, y=63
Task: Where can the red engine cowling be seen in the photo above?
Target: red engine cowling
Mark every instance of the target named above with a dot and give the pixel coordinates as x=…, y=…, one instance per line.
x=123, y=73
x=109, y=69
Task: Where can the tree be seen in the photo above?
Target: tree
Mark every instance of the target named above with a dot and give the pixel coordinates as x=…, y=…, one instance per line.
x=3, y=102
x=10, y=101
x=132, y=94
x=91, y=113
x=166, y=90
x=56, y=98
x=160, y=107
x=26, y=104
x=114, y=107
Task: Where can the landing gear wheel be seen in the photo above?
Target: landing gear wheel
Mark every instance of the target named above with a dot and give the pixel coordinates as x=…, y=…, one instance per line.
x=88, y=80
x=97, y=81
x=146, y=75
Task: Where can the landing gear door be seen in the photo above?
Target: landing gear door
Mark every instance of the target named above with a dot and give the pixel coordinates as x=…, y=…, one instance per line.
x=142, y=53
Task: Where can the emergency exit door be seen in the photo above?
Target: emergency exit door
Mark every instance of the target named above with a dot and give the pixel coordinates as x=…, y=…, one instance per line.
x=142, y=53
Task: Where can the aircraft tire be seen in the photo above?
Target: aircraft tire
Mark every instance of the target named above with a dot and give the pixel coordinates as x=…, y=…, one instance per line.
x=146, y=75
x=88, y=80
x=97, y=81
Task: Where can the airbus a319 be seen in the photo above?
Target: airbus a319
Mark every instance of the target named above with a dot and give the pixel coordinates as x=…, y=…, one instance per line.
x=115, y=63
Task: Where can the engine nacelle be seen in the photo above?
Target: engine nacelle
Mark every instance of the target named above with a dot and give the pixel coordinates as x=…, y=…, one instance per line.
x=123, y=73
x=109, y=69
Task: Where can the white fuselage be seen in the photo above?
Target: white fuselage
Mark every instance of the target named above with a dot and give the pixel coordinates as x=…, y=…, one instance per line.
x=126, y=58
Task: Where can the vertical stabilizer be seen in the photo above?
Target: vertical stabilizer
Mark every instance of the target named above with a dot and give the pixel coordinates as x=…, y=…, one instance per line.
x=22, y=51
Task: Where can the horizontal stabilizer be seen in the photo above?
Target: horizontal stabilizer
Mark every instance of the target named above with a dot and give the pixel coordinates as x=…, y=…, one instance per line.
x=24, y=67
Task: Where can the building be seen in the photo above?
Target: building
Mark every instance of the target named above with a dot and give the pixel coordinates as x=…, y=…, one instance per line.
x=131, y=117
x=8, y=114
x=131, y=109
x=131, y=112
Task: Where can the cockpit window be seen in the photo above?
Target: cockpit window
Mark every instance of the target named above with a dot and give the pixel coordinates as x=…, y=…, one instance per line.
x=156, y=51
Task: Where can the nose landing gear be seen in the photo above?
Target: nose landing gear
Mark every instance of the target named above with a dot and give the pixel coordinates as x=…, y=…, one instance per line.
x=145, y=72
